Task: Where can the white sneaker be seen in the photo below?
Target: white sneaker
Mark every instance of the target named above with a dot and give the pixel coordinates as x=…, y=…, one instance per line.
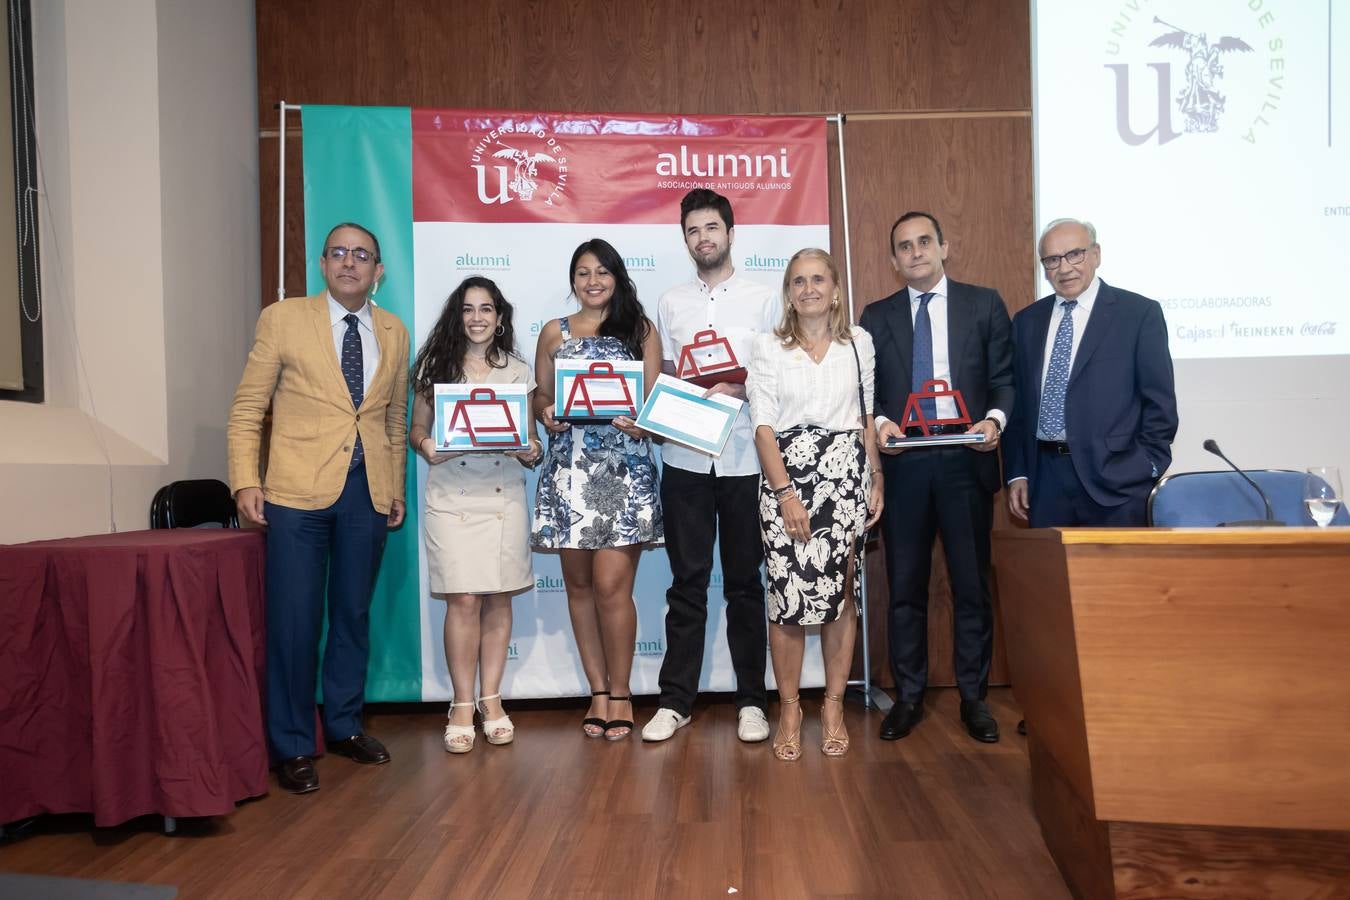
x=664, y=724
x=752, y=725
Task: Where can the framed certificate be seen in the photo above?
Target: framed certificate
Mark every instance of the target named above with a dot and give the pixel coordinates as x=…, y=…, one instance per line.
x=679, y=412
x=590, y=391
x=475, y=417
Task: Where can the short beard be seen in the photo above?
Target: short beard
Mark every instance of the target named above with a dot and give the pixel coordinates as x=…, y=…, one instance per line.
x=714, y=263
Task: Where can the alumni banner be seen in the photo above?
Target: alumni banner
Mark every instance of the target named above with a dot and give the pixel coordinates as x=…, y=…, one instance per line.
x=509, y=195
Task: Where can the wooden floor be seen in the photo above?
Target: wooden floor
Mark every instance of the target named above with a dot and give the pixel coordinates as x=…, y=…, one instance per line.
x=933, y=816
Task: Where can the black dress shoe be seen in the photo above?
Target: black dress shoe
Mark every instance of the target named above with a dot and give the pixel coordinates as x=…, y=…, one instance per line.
x=980, y=724
x=361, y=748
x=298, y=775
x=901, y=720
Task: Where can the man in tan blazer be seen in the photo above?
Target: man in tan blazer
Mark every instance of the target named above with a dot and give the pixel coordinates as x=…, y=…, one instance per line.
x=334, y=369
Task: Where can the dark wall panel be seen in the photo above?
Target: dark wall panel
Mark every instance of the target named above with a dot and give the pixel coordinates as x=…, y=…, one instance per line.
x=699, y=56
x=973, y=174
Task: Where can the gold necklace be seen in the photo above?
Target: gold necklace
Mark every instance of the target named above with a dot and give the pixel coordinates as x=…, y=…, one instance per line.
x=476, y=369
x=824, y=348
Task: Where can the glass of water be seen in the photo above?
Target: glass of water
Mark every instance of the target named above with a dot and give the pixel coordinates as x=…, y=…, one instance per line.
x=1322, y=494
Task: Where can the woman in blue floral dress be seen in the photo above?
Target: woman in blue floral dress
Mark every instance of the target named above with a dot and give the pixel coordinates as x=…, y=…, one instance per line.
x=598, y=500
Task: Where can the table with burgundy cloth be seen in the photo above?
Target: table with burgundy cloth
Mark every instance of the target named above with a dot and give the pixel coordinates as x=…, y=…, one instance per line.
x=131, y=674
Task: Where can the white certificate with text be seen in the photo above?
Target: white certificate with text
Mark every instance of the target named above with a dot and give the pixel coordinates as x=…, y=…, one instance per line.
x=678, y=411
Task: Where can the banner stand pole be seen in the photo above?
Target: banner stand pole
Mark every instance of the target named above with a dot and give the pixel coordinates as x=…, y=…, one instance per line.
x=283, y=107
x=857, y=689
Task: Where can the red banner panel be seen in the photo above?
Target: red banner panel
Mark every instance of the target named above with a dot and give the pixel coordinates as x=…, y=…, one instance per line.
x=488, y=166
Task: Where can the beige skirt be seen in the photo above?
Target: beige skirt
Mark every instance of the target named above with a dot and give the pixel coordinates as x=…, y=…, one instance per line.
x=477, y=528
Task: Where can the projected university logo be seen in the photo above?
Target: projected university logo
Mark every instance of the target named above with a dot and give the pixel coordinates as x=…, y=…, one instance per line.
x=1199, y=101
x=530, y=155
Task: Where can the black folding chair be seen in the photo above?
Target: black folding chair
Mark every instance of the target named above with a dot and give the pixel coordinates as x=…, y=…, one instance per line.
x=195, y=503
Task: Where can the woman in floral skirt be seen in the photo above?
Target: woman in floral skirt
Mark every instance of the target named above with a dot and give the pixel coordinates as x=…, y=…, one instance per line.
x=810, y=390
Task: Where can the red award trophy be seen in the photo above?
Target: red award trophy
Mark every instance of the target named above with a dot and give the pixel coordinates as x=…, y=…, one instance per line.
x=914, y=417
x=599, y=393
x=719, y=361
x=487, y=420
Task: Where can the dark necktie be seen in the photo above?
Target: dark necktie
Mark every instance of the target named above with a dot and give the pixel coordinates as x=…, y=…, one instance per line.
x=922, y=370
x=353, y=369
x=1050, y=424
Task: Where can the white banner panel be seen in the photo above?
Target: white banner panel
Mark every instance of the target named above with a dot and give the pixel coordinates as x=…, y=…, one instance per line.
x=1209, y=142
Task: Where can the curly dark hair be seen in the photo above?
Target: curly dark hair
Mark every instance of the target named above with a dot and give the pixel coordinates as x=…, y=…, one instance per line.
x=625, y=320
x=441, y=359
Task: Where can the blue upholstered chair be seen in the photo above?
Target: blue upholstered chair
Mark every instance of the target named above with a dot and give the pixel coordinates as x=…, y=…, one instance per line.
x=1208, y=499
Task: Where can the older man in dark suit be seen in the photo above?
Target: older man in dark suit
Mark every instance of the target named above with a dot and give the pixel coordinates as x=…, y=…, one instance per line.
x=935, y=328
x=1096, y=404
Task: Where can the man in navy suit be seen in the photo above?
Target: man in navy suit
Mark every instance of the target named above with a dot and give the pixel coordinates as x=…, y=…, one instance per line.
x=1096, y=404
x=934, y=328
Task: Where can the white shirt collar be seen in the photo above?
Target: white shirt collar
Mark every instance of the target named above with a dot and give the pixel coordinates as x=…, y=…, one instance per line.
x=705, y=288
x=1085, y=299
x=337, y=313
x=939, y=290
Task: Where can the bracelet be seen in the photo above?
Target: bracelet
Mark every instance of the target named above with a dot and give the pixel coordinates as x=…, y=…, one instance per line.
x=782, y=493
x=998, y=429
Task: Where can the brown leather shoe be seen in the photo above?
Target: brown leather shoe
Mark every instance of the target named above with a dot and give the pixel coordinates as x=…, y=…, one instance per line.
x=298, y=775
x=361, y=748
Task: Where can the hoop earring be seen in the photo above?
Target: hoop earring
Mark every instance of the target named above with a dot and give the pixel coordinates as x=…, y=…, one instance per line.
x=501, y=330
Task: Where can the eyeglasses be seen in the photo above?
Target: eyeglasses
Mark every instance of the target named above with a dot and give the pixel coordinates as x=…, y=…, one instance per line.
x=1073, y=258
x=360, y=254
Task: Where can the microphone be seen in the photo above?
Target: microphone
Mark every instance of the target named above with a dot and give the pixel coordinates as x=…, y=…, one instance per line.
x=1270, y=519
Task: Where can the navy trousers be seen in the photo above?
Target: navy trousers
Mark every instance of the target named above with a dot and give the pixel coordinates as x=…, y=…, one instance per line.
x=1058, y=499
x=930, y=492
x=308, y=549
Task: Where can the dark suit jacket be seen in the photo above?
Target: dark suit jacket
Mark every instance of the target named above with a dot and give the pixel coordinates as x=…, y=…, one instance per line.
x=979, y=348
x=1121, y=408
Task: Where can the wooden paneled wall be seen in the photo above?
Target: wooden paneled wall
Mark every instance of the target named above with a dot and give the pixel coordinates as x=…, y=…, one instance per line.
x=936, y=96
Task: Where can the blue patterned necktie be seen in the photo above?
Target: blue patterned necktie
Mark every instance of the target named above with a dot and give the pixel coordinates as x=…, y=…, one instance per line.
x=1051, y=423
x=922, y=369
x=353, y=369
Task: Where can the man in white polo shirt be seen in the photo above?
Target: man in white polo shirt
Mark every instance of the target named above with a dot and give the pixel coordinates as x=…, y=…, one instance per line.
x=703, y=497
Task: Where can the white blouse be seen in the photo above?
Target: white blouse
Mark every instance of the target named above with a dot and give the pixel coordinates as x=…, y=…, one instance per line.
x=787, y=389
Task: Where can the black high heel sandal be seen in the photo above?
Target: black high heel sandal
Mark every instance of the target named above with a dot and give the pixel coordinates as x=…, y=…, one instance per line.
x=619, y=723
x=594, y=721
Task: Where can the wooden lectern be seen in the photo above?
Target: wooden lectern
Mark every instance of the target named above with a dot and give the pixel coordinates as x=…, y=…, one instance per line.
x=1187, y=697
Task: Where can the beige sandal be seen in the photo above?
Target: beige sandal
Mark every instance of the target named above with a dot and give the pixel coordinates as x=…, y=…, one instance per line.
x=833, y=742
x=788, y=747
x=458, y=738
x=497, y=731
